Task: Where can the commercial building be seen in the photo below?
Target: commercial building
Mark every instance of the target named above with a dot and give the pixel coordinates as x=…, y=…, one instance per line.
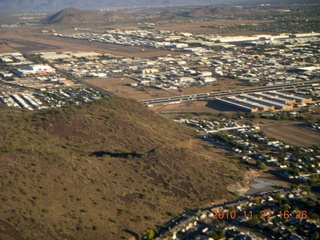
x=267, y=101
x=35, y=69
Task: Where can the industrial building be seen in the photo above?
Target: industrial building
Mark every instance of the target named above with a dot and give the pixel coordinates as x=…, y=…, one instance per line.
x=35, y=69
x=264, y=101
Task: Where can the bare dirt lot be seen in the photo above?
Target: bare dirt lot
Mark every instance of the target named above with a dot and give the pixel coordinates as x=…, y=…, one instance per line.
x=204, y=107
x=191, y=106
x=121, y=87
x=292, y=133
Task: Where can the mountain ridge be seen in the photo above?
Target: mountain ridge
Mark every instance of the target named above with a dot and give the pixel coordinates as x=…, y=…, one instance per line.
x=10, y=6
x=77, y=16
x=53, y=5
x=209, y=11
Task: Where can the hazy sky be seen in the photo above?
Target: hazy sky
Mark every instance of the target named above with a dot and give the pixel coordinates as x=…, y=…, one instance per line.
x=56, y=5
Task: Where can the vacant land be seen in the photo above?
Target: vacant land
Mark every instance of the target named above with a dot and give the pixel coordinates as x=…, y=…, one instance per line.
x=296, y=134
x=186, y=107
x=121, y=87
x=210, y=27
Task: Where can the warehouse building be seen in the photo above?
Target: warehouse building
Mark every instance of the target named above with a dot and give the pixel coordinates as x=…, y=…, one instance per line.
x=266, y=101
x=35, y=69
x=297, y=99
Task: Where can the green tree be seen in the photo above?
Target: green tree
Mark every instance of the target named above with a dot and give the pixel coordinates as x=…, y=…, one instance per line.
x=254, y=221
x=261, y=165
x=214, y=235
x=150, y=234
x=222, y=234
x=308, y=189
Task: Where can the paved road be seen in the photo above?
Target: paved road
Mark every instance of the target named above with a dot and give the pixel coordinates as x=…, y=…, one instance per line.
x=174, y=225
x=219, y=94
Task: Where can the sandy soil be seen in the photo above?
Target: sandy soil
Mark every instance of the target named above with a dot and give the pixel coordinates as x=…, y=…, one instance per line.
x=291, y=133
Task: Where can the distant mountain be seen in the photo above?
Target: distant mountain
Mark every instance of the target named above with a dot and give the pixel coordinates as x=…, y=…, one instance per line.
x=169, y=14
x=7, y=6
x=72, y=15
x=76, y=16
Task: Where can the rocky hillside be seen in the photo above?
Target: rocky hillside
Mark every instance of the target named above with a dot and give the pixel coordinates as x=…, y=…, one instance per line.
x=72, y=16
x=210, y=11
x=107, y=170
x=76, y=16
x=118, y=16
x=54, y=5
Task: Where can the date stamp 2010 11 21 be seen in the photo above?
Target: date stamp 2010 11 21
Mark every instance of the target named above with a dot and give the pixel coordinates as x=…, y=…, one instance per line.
x=262, y=214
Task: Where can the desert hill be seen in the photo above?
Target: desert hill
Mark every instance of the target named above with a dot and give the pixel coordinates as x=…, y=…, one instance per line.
x=209, y=11
x=169, y=13
x=117, y=15
x=76, y=16
x=72, y=16
x=106, y=170
x=200, y=12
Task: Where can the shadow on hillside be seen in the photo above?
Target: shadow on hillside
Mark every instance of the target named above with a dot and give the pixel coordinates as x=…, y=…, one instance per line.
x=121, y=154
x=117, y=154
x=136, y=236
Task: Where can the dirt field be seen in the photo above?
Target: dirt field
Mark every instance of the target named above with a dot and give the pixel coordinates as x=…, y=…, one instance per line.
x=204, y=107
x=202, y=27
x=120, y=87
x=192, y=106
x=295, y=134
